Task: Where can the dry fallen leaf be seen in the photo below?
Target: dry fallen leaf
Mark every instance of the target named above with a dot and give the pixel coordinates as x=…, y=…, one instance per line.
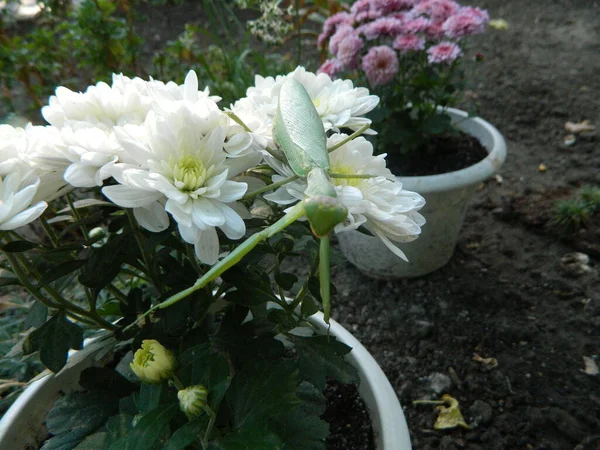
x=490, y=363
x=542, y=167
x=579, y=127
x=590, y=366
x=449, y=416
x=499, y=24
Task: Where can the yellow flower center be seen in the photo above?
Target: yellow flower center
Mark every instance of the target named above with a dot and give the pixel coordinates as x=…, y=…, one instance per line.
x=189, y=173
x=143, y=357
x=345, y=170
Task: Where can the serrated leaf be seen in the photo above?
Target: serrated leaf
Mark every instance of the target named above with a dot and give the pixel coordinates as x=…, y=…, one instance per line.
x=96, y=441
x=77, y=415
x=37, y=315
x=262, y=393
x=187, y=434
x=299, y=131
x=301, y=431
x=313, y=400
x=60, y=271
x=259, y=438
x=18, y=246
x=149, y=428
x=149, y=397
x=321, y=357
x=201, y=364
x=53, y=340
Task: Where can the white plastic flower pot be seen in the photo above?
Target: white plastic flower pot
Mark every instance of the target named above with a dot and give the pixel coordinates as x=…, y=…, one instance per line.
x=23, y=424
x=447, y=196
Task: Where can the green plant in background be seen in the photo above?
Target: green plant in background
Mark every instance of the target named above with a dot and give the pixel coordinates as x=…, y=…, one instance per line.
x=68, y=46
x=570, y=215
x=226, y=68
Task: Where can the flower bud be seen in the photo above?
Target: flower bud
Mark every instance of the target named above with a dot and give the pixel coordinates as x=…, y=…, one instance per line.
x=192, y=400
x=153, y=363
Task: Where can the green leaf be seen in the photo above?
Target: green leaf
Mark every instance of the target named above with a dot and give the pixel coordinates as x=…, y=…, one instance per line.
x=149, y=397
x=321, y=357
x=283, y=318
x=53, y=340
x=149, y=428
x=118, y=426
x=437, y=124
x=259, y=438
x=313, y=400
x=96, y=441
x=106, y=379
x=187, y=434
x=301, y=431
x=286, y=280
x=309, y=306
x=37, y=315
x=60, y=271
x=201, y=364
x=299, y=131
x=262, y=393
x=77, y=415
x=18, y=246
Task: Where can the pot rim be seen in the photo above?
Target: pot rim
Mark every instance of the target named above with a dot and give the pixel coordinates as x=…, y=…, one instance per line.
x=489, y=137
x=387, y=416
x=390, y=430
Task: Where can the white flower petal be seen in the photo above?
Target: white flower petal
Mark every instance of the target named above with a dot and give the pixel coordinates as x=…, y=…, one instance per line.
x=24, y=217
x=152, y=217
x=207, y=246
x=129, y=197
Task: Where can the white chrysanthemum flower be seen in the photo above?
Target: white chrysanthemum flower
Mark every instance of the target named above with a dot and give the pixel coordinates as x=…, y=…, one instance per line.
x=18, y=153
x=379, y=203
x=338, y=102
x=13, y=145
x=16, y=198
x=182, y=167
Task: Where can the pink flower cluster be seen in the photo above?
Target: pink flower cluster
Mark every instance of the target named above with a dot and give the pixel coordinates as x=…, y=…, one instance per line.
x=376, y=33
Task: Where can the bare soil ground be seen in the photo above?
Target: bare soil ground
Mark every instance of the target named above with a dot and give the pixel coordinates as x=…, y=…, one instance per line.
x=505, y=293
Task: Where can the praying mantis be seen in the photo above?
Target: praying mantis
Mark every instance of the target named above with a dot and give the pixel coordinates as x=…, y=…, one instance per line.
x=299, y=133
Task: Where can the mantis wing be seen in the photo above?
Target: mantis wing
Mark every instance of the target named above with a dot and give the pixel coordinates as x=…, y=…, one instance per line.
x=299, y=131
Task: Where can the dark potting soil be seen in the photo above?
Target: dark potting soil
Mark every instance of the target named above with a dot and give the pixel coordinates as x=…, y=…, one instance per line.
x=444, y=153
x=348, y=418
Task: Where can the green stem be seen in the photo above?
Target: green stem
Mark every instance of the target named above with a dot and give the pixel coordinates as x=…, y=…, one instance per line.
x=357, y=133
x=59, y=303
x=344, y=175
x=77, y=216
x=233, y=116
x=234, y=257
x=211, y=423
x=49, y=232
x=270, y=187
x=324, y=276
x=304, y=289
x=117, y=293
x=146, y=257
x=177, y=382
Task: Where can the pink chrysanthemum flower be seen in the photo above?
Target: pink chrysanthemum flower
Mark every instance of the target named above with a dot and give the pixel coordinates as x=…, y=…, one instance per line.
x=365, y=10
x=467, y=21
x=341, y=34
x=415, y=26
x=389, y=6
x=348, y=51
x=380, y=65
x=331, y=25
x=330, y=67
x=381, y=27
x=409, y=43
x=436, y=10
x=444, y=52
